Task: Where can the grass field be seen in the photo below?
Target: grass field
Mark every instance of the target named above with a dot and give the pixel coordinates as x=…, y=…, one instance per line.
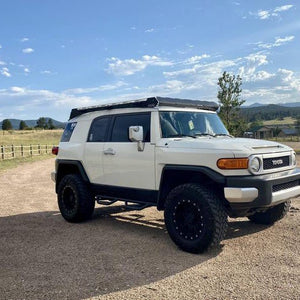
x=285, y=121
x=30, y=137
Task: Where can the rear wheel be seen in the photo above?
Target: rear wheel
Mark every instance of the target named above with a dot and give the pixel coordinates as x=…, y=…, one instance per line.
x=271, y=215
x=74, y=200
x=195, y=218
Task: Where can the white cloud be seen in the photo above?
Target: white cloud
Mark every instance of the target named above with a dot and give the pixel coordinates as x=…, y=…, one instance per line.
x=283, y=8
x=5, y=72
x=267, y=14
x=196, y=59
x=278, y=42
x=46, y=72
x=0, y=46
x=131, y=66
x=26, y=70
x=24, y=39
x=17, y=89
x=149, y=30
x=28, y=50
x=101, y=88
x=2, y=63
x=263, y=14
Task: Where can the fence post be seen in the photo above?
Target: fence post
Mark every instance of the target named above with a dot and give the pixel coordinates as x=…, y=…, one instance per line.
x=47, y=149
x=22, y=151
x=30, y=149
x=2, y=152
x=39, y=149
x=12, y=151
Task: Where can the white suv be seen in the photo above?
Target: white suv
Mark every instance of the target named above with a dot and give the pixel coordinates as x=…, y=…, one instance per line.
x=177, y=155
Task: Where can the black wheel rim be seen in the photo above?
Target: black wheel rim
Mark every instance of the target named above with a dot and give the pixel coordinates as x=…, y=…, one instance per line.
x=188, y=219
x=69, y=199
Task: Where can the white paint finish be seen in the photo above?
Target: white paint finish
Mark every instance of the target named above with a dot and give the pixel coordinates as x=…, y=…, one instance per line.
x=93, y=161
x=239, y=195
x=129, y=167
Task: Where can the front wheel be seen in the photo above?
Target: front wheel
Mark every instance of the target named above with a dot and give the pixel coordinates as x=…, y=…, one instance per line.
x=74, y=200
x=271, y=215
x=195, y=218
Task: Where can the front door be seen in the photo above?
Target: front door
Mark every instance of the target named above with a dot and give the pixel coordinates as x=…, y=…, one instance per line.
x=125, y=166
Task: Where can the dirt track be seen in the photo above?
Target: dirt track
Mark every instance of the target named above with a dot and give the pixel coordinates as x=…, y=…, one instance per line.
x=128, y=255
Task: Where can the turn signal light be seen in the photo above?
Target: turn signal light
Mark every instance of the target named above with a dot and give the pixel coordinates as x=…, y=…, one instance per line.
x=55, y=150
x=232, y=163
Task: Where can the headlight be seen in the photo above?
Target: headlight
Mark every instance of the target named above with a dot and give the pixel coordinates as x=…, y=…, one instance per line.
x=254, y=165
x=294, y=159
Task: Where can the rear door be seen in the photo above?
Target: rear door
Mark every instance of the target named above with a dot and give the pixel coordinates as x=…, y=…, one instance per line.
x=97, y=136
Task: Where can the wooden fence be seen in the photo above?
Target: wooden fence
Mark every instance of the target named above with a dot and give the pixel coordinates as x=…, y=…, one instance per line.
x=12, y=151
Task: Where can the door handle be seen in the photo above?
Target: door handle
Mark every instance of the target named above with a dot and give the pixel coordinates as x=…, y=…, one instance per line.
x=110, y=151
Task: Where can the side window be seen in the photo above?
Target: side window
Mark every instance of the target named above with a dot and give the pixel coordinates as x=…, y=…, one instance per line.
x=120, y=132
x=68, y=132
x=98, y=130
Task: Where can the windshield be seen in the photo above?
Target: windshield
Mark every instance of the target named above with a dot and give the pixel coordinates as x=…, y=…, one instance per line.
x=185, y=123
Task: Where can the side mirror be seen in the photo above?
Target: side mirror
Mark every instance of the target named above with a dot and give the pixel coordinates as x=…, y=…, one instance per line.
x=136, y=134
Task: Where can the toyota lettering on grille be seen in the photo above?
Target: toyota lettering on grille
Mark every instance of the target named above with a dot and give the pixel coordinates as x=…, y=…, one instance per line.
x=277, y=162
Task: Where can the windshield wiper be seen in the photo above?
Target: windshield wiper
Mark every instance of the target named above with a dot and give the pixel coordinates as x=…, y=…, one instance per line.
x=223, y=134
x=205, y=134
x=181, y=135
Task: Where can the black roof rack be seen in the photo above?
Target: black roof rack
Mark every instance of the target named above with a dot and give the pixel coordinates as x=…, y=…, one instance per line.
x=147, y=102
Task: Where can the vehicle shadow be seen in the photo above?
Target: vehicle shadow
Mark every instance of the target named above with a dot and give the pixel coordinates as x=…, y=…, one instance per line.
x=43, y=256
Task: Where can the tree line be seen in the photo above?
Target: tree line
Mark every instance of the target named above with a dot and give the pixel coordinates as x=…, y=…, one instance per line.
x=41, y=123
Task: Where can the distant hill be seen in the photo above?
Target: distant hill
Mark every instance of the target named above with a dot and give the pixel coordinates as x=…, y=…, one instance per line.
x=32, y=123
x=289, y=104
x=269, y=112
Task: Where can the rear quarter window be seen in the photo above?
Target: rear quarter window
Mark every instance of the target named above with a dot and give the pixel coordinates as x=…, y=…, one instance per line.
x=68, y=132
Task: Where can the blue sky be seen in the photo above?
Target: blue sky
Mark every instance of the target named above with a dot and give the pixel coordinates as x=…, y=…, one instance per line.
x=57, y=55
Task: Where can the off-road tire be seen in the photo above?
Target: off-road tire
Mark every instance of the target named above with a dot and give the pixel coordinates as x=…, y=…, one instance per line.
x=195, y=217
x=74, y=199
x=271, y=215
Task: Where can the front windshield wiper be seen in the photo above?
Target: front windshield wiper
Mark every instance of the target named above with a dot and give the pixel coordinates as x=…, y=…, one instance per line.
x=181, y=135
x=223, y=134
x=205, y=134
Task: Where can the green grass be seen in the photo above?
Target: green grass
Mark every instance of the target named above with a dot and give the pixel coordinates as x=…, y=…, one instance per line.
x=30, y=137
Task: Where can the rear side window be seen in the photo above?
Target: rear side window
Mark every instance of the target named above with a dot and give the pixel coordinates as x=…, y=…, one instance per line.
x=68, y=132
x=98, y=130
x=120, y=131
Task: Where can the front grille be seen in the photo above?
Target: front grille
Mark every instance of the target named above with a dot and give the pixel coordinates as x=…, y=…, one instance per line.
x=285, y=186
x=276, y=162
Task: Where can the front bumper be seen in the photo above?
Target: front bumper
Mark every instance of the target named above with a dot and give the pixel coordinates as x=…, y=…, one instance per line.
x=262, y=191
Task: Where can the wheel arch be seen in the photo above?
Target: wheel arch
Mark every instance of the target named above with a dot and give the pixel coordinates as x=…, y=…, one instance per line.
x=65, y=167
x=174, y=175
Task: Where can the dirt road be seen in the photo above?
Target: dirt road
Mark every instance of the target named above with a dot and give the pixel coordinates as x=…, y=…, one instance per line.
x=128, y=255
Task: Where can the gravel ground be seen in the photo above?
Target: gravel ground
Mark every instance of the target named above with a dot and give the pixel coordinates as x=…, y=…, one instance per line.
x=128, y=255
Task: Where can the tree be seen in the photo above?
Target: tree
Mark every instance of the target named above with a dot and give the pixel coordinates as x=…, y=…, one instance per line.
x=23, y=125
x=229, y=98
x=6, y=125
x=50, y=124
x=41, y=123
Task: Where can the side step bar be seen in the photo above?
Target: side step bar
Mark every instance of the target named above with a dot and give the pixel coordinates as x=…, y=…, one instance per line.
x=134, y=206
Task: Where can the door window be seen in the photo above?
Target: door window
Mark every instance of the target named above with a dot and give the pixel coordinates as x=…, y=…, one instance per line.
x=98, y=130
x=120, y=132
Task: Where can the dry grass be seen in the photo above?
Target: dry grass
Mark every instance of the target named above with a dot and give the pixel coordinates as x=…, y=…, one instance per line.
x=285, y=121
x=30, y=137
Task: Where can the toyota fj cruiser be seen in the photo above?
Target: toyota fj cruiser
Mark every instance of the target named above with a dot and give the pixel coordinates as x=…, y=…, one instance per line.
x=177, y=155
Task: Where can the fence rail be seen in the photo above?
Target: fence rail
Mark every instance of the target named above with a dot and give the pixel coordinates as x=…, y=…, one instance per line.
x=20, y=151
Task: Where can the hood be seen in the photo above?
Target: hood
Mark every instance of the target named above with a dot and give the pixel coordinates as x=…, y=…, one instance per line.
x=242, y=146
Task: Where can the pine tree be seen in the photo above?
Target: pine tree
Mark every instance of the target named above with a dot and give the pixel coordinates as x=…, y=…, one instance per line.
x=6, y=125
